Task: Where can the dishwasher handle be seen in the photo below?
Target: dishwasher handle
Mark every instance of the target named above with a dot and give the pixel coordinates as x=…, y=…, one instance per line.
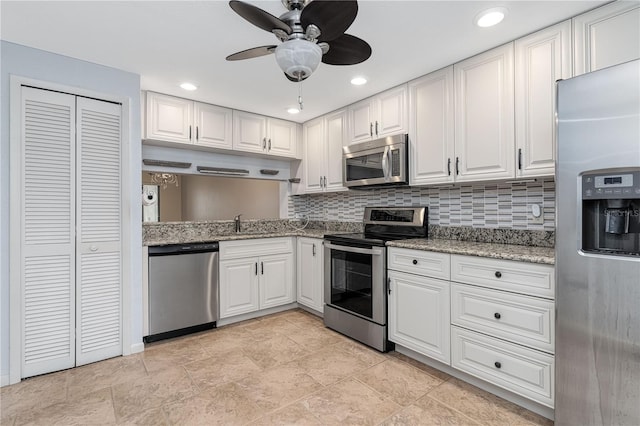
x=188, y=248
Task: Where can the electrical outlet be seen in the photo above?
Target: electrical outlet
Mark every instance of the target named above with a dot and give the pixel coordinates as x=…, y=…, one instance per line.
x=537, y=213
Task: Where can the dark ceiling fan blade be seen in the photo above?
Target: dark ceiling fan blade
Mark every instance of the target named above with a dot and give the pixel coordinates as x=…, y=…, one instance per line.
x=332, y=17
x=252, y=53
x=295, y=80
x=259, y=17
x=347, y=50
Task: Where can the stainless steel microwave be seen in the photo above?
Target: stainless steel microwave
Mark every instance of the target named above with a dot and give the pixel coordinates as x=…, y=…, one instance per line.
x=380, y=162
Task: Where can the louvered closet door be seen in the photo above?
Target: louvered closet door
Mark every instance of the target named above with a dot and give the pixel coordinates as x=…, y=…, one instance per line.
x=47, y=231
x=98, y=288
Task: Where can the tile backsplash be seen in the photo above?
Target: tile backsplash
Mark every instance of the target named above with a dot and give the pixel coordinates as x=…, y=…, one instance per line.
x=485, y=205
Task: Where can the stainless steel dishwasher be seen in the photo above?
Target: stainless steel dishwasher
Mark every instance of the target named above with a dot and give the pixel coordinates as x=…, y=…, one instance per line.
x=183, y=289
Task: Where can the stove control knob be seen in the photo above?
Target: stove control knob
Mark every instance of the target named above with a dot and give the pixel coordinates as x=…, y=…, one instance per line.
x=415, y=261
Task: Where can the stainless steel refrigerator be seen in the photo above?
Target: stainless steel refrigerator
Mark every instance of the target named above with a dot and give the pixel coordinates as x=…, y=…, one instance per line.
x=598, y=248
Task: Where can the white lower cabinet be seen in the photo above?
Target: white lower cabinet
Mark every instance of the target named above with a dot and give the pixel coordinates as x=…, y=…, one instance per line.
x=310, y=273
x=489, y=318
x=419, y=314
x=521, y=370
x=264, y=279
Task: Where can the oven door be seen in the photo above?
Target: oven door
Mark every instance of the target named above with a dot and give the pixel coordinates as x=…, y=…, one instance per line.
x=354, y=278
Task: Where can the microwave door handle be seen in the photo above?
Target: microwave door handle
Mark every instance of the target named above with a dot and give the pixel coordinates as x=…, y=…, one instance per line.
x=374, y=251
x=385, y=163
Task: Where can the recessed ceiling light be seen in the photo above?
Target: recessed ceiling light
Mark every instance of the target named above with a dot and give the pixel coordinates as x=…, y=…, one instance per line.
x=358, y=81
x=490, y=17
x=188, y=86
x=293, y=110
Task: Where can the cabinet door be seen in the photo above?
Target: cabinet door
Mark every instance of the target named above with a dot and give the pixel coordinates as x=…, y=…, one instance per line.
x=310, y=273
x=419, y=314
x=361, y=121
x=249, y=132
x=169, y=118
x=484, y=124
x=541, y=59
x=313, y=157
x=238, y=287
x=606, y=36
x=276, y=280
x=336, y=137
x=282, y=139
x=213, y=126
x=431, y=141
x=391, y=112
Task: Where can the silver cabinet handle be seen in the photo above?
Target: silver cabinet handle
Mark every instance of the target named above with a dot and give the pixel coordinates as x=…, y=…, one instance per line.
x=261, y=268
x=374, y=251
x=320, y=181
x=264, y=143
x=314, y=250
x=197, y=135
x=325, y=181
x=376, y=127
x=371, y=129
x=189, y=132
x=269, y=144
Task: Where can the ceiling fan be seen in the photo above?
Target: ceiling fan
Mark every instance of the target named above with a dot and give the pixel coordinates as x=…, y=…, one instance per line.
x=310, y=32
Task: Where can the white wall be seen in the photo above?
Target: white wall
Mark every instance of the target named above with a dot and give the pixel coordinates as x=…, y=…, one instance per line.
x=45, y=66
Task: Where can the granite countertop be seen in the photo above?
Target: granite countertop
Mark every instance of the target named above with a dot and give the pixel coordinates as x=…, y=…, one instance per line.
x=544, y=255
x=311, y=233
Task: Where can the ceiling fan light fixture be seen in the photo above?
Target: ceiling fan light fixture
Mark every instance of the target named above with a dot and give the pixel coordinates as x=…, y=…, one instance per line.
x=358, y=81
x=490, y=17
x=298, y=58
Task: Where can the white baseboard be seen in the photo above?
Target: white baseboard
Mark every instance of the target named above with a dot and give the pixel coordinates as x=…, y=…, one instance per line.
x=4, y=380
x=255, y=314
x=137, y=348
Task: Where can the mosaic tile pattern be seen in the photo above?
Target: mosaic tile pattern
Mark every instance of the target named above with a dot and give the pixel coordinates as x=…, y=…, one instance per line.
x=486, y=205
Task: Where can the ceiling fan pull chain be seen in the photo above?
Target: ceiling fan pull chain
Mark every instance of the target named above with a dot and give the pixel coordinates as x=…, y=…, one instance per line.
x=300, y=94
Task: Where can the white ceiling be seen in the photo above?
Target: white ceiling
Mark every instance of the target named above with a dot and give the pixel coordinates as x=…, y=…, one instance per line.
x=168, y=42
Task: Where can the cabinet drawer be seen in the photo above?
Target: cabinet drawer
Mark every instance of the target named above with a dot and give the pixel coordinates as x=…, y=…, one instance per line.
x=523, y=371
x=520, y=319
x=255, y=247
x=427, y=263
x=519, y=277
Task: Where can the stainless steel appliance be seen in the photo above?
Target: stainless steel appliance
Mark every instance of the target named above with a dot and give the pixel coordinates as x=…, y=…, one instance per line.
x=380, y=162
x=355, y=273
x=183, y=289
x=598, y=248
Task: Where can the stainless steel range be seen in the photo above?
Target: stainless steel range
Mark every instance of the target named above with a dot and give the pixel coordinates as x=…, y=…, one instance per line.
x=355, y=273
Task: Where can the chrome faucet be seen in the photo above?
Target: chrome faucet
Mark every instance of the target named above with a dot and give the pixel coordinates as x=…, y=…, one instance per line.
x=237, y=221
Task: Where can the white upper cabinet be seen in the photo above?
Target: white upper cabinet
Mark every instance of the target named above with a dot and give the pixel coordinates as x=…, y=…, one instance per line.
x=263, y=135
x=213, y=126
x=379, y=116
x=313, y=155
x=172, y=119
x=324, y=138
x=541, y=59
x=168, y=118
x=484, y=116
x=431, y=143
x=606, y=36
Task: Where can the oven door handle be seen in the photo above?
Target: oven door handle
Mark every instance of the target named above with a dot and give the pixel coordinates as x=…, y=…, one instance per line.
x=373, y=251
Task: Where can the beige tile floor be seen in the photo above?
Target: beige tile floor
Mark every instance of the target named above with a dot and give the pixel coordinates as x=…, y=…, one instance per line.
x=281, y=369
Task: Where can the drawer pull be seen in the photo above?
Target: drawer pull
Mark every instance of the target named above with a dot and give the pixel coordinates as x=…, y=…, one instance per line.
x=498, y=274
x=497, y=364
x=497, y=315
x=415, y=261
